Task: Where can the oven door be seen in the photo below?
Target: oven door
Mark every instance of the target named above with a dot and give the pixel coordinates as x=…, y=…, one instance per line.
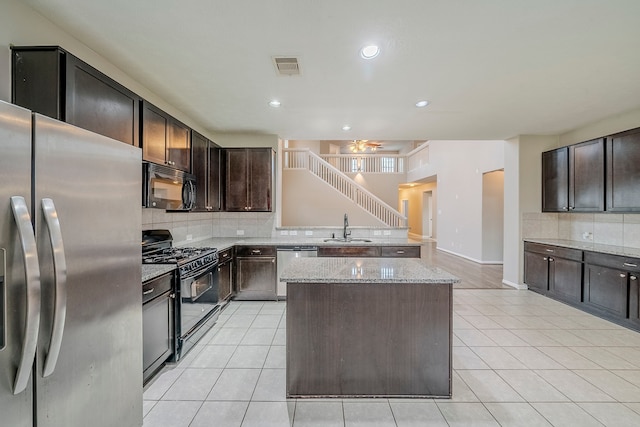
x=198, y=306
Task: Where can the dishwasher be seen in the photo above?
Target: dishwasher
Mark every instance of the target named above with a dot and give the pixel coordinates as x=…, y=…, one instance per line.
x=285, y=255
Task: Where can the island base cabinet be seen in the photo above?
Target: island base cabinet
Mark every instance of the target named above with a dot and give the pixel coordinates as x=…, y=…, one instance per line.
x=376, y=340
x=605, y=290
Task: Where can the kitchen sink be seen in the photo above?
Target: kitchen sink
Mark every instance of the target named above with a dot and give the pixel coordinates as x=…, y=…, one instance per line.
x=334, y=239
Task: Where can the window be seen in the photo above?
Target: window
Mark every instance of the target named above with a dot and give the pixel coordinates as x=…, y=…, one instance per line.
x=388, y=164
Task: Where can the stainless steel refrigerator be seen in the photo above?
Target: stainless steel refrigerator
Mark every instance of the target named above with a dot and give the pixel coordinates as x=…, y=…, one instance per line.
x=70, y=279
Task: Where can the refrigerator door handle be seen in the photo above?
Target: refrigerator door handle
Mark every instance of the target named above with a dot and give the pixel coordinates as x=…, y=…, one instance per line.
x=60, y=278
x=32, y=301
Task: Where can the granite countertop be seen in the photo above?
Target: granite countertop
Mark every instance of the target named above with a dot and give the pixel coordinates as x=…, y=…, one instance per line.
x=223, y=243
x=151, y=271
x=589, y=246
x=364, y=270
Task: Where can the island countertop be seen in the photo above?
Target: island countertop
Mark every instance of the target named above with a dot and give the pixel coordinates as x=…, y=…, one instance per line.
x=364, y=270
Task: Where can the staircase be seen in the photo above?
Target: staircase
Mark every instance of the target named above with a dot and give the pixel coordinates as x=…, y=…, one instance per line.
x=303, y=158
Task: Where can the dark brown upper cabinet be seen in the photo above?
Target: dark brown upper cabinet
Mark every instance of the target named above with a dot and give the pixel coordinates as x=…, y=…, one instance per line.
x=623, y=171
x=205, y=165
x=165, y=140
x=249, y=179
x=53, y=82
x=573, y=178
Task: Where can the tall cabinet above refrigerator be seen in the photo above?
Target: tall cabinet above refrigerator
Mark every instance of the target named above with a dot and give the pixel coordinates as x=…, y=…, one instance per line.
x=70, y=300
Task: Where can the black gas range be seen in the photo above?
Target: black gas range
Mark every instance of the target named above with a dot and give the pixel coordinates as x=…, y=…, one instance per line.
x=196, y=285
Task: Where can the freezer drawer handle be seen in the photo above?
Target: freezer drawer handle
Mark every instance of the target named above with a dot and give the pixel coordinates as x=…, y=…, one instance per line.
x=60, y=277
x=32, y=301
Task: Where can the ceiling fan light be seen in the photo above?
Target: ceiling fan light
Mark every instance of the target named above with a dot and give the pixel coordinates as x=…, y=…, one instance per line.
x=369, y=52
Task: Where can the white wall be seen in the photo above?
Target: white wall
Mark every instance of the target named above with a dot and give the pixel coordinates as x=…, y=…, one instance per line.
x=20, y=25
x=382, y=185
x=308, y=201
x=459, y=166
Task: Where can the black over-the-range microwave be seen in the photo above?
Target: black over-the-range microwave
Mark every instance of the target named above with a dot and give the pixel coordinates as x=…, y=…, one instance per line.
x=167, y=188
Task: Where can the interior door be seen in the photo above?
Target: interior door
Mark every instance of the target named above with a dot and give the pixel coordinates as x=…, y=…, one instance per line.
x=15, y=176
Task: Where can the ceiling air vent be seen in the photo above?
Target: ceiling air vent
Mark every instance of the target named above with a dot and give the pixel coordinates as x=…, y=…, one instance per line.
x=287, y=65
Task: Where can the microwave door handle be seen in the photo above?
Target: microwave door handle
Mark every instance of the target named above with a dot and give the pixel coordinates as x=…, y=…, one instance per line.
x=32, y=301
x=187, y=195
x=60, y=285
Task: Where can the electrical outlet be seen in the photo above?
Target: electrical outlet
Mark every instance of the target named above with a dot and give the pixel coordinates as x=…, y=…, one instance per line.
x=293, y=233
x=284, y=232
x=387, y=232
x=377, y=232
x=189, y=236
x=240, y=232
x=308, y=233
x=587, y=235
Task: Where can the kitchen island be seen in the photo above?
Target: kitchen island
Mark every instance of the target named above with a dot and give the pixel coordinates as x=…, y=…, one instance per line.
x=368, y=327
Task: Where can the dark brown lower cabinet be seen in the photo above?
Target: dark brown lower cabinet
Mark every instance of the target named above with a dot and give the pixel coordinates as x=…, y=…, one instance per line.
x=634, y=300
x=565, y=279
x=603, y=284
x=605, y=289
x=554, y=271
x=536, y=271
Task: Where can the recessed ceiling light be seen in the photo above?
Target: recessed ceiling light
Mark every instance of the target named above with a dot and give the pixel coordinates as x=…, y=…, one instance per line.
x=421, y=104
x=275, y=103
x=369, y=52
x=346, y=127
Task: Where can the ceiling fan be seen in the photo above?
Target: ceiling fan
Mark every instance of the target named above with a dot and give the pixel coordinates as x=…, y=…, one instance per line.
x=362, y=145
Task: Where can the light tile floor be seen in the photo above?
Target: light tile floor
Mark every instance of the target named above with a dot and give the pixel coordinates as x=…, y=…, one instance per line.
x=519, y=359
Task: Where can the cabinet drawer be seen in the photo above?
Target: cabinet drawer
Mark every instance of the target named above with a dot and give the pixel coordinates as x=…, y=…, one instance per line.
x=226, y=255
x=613, y=261
x=567, y=253
x=157, y=286
x=400, y=251
x=349, y=251
x=256, y=251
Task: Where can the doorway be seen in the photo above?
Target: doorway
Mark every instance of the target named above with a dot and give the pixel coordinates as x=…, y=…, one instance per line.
x=492, y=217
x=427, y=214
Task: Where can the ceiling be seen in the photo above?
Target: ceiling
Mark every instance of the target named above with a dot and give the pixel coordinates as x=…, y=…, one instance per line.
x=491, y=69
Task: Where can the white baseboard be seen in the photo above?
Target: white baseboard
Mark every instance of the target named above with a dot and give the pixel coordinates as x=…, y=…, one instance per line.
x=469, y=258
x=514, y=285
x=420, y=237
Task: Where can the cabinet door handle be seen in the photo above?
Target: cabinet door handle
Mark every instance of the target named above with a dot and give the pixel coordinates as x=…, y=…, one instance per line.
x=633, y=277
x=623, y=275
x=550, y=250
x=148, y=291
x=626, y=264
x=546, y=259
x=564, y=208
x=571, y=208
x=551, y=259
x=400, y=252
x=256, y=251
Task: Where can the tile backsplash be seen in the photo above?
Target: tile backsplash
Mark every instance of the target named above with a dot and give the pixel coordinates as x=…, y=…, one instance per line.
x=606, y=229
x=193, y=226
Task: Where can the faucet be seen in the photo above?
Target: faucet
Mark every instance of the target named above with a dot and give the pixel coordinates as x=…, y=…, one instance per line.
x=345, y=233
